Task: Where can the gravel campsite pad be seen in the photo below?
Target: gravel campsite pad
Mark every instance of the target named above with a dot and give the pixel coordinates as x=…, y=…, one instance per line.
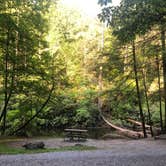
x=144, y=152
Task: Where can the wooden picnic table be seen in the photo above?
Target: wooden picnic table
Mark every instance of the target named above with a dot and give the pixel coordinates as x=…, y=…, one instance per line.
x=75, y=135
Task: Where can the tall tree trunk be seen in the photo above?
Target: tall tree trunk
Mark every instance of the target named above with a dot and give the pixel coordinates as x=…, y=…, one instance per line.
x=138, y=90
x=159, y=86
x=147, y=102
x=164, y=67
x=100, y=85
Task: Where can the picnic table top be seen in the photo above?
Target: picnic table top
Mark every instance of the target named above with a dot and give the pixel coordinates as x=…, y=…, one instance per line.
x=76, y=130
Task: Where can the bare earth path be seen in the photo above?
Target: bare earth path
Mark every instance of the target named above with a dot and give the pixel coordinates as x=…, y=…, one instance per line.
x=111, y=153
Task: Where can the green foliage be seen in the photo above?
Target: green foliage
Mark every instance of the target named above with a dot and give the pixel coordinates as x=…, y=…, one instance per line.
x=156, y=113
x=43, y=43
x=27, y=71
x=6, y=149
x=82, y=117
x=134, y=17
x=72, y=111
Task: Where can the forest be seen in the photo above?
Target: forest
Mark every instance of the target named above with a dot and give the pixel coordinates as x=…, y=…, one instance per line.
x=59, y=69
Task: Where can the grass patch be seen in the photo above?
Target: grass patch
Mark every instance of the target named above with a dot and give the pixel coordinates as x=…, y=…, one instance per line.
x=5, y=149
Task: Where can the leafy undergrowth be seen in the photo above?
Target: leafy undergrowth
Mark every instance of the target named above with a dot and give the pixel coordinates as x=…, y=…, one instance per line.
x=6, y=149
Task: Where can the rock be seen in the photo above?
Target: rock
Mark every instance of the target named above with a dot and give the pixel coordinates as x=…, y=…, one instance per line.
x=78, y=145
x=35, y=145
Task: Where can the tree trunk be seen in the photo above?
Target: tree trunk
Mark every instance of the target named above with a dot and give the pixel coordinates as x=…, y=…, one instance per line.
x=138, y=90
x=164, y=67
x=159, y=86
x=147, y=102
x=100, y=85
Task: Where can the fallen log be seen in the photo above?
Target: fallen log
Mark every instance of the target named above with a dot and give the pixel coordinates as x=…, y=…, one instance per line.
x=35, y=145
x=156, y=131
x=137, y=123
x=123, y=131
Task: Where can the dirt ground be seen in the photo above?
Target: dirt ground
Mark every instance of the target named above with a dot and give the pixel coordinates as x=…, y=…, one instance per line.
x=99, y=144
x=112, y=152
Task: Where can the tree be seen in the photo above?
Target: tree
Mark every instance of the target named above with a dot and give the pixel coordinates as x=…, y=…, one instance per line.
x=25, y=63
x=147, y=14
x=123, y=29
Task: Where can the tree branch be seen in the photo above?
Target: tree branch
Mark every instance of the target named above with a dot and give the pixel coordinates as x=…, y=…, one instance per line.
x=38, y=112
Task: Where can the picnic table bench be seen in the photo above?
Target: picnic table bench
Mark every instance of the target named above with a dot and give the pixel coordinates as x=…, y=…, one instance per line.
x=75, y=135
